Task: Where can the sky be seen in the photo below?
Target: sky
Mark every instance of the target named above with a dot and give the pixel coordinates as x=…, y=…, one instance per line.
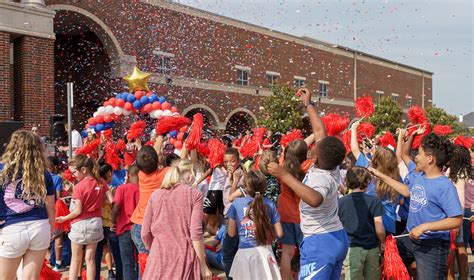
x=433, y=35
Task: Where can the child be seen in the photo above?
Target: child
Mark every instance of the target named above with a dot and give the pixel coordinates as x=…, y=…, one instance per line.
x=434, y=209
x=325, y=243
x=86, y=222
x=173, y=221
x=214, y=257
x=235, y=176
x=361, y=216
x=125, y=201
x=252, y=219
x=272, y=191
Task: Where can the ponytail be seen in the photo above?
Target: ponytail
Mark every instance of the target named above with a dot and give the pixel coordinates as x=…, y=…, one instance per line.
x=256, y=184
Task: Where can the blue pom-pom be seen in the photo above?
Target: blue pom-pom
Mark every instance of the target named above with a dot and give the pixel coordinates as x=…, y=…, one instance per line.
x=173, y=134
x=131, y=98
x=137, y=105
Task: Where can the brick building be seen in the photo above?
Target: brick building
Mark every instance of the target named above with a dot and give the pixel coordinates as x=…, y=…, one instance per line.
x=203, y=62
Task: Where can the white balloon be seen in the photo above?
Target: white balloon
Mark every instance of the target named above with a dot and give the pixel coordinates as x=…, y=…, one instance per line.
x=118, y=111
x=101, y=110
x=158, y=113
x=152, y=114
x=109, y=109
x=167, y=113
x=95, y=114
x=175, y=114
x=126, y=112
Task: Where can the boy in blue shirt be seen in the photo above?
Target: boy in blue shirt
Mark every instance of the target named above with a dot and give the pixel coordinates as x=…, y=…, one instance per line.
x=434, y=209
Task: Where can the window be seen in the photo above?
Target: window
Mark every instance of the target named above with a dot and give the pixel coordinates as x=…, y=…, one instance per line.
x=380, y=95
x=272, y=78
x=323, y=89
x=395, y=97
x=164, y=62
x=299, y=81
x=409, y=102
x=242, y=77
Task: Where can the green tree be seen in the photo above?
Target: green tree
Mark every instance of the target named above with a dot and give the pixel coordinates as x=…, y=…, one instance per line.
x=387, y=115
x=438, y=115
x=281, y=110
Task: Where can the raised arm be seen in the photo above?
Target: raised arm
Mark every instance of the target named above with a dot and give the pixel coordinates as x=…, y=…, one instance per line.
x=319, y=130
x=158, y=144
x=354, y=143
x=309, y=140
x=400, y=144
x=203, y=177
x=396, y=185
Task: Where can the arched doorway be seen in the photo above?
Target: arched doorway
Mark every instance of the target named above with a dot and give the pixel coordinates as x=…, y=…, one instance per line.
x=239, y=121
x=209, y=121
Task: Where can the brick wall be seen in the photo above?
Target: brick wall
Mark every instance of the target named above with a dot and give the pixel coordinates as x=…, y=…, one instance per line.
x=33, y=82
x=6, y=100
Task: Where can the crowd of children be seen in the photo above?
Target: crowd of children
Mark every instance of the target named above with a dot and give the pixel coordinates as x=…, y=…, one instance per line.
x=294, y=208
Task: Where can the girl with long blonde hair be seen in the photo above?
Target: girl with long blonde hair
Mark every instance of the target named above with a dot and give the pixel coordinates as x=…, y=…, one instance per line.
x=172, y=228
x=26, y=206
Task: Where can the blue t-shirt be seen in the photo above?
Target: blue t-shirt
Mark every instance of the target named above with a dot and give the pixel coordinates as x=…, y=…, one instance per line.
x=220, y=237
x=405, y=207
x=431, y=200
x=245, y=226
x=13, y=209
x=118, y=177
x=57, y=183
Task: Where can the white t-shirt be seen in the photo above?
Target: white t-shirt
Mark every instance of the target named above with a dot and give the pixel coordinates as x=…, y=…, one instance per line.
x=76, y=139
x=228, y=187
x=218, y=178
x=324, y=218
x=203, y=187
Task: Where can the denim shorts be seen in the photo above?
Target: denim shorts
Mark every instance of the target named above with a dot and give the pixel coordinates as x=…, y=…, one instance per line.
x=292, y=234
x=88, y=231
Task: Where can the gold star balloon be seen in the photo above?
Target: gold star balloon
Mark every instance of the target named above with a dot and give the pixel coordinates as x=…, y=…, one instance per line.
x=137, y=80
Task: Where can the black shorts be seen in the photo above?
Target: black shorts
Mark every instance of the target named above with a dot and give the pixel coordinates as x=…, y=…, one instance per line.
x=214, y=203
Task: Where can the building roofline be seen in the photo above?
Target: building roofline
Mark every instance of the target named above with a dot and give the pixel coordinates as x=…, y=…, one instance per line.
x=329, y=47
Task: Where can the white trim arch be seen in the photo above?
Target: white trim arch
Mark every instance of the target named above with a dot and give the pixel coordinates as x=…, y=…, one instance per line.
x=120, y=63
x=233, y=112
x=215, y=119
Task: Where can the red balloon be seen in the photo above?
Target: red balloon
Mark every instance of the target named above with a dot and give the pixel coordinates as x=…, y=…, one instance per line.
x=165, y=106
x=174, y=109
x=156, y=105
x=112, y=101
x=128, y=106
x=120, y=102
x=183, y=129
x=91, y=121
x=180, y=136
x=99, y=119
x=108, y=118
x=116, y=118
x=178, y=145
x=172, y=141
x=87, y=126
x=147, y=108
x=148, y=94
x=106, y=103
x=139, y=94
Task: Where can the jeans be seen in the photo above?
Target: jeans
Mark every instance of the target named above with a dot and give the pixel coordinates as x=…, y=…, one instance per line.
x=431, y=256
x=111, y=238
x=127, y=253
x=466, y=227
x=212, y=258
x=229, y=249
x=137, y=238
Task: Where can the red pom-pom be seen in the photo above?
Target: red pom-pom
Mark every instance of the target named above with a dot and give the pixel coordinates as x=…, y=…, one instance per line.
x=111, y=155
x=136, y=130
x=252, y=147
x=178, y=144
x=107, y=134
x=393, y=266
x=417, y=140
x=216, y=152
x=203, y=149
x=346, y=139
x=194, y=136
x=387, y=139
x=89, y=148
x=47, y=273
x=417, y=115
x=167, y=124
x=366, y=130
x=142, y=259
x=335, y=124
x=364, y=106
x=289, y=137
x=68, y=175
x=61, y=211
x=464, y=141
x=442, y=130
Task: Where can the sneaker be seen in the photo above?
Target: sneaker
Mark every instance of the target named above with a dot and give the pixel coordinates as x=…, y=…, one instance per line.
x=60, y=268
x=111, y=275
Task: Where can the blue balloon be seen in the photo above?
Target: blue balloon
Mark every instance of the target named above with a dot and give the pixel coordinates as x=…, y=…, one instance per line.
x=108, y=125
x=144, y=100
x=173, y=134
x=118, y=96
x=84, y=133
x=131, y=98
x=153, y=98
x=137, y=105
x=92, y=127
x=99, y=127
x=162, y=99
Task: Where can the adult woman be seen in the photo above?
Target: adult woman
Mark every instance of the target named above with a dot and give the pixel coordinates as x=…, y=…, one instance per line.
x=26, y=206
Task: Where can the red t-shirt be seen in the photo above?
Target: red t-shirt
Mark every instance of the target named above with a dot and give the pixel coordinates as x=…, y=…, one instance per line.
x=92, y=196
x=289, y=202
x=126, y=197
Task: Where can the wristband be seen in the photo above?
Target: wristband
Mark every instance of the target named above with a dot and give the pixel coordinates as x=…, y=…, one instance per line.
x=311, y=103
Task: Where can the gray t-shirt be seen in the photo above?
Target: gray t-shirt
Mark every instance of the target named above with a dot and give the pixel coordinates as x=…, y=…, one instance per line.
x=324, y=218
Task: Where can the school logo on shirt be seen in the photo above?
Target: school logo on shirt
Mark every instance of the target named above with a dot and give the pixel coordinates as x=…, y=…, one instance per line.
x=249, y=229
x=418, y=198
